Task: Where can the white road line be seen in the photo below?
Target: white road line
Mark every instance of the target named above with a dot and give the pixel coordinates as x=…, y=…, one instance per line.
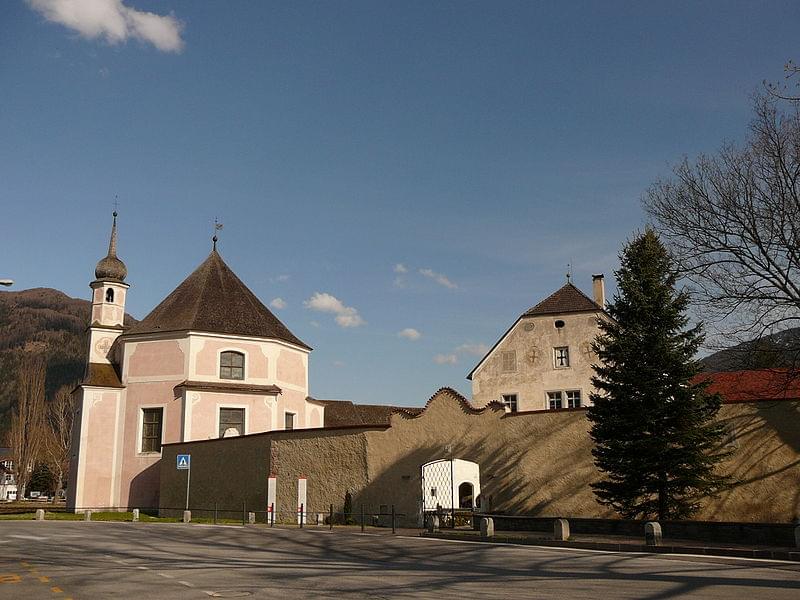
x=167, y=575
x=28, y=537
x=143, y=568
x=186, y=583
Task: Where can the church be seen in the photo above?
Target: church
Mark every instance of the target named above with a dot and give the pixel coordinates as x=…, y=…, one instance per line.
x=212, y=373
x=209, y=361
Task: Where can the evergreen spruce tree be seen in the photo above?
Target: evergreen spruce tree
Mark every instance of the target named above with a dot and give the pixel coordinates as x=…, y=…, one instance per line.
x=657, y=441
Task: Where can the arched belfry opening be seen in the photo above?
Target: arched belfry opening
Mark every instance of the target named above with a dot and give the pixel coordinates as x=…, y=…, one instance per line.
x=110, y=295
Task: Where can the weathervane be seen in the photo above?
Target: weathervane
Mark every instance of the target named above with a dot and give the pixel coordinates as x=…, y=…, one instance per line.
x=569, y=272
x=217, y=227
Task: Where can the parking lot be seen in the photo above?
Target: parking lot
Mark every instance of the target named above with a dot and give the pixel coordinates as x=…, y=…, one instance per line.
x=61, y=560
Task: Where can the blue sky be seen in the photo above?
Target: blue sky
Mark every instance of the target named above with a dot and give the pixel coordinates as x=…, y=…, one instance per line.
x=480, y=145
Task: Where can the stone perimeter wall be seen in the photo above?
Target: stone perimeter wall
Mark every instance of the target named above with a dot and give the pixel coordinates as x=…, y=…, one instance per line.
x=536, y=463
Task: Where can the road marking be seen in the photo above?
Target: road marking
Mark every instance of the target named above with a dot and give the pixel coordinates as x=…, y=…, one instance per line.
x=186, y=583
x=10, y=578
x=37, y=538
x=56, y=590
x=167, y=575
x=142, y=568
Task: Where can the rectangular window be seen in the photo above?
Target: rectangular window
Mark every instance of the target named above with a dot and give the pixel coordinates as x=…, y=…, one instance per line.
x=573, y=398
x=554, y=400
x=9, y=479
x=231, y=422
x=561, y=357
x=510, y=400
x=152, y=418
x=288, y=421
x=509, y=361
x=231, y=365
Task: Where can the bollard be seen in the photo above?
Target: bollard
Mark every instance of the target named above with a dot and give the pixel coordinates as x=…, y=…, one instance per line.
x=487, y=527
x=561, y=530
x=320, y=519
x=187, y=516
x=330, y=519
x=362, y=518
x=215, y=513
x=272, y=514
x=40, y=514
x=394, y=520
x=433, y=523
x=251, y=518
x=797, y=536
x=652, y=533
x=87, y=515
x=244, y=512
x=135, y=515
x=302, y=512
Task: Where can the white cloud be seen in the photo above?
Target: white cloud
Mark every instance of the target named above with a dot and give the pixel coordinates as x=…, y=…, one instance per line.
x=410, y=334
x=438, y=278
x=279, y=279
x=346, y=316
x=313, y=323
x=445, y=359
x=473, y=349
x=400, y=268
x=113, y=21
x=278, y=303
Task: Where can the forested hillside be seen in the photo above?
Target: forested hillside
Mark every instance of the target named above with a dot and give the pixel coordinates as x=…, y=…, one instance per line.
x=48, y=320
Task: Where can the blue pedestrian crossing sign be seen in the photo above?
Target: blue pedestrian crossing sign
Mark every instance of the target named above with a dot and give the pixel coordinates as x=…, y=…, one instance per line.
x=184, y=461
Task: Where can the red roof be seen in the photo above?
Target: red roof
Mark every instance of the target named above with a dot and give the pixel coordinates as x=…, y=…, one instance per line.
x=754, y=385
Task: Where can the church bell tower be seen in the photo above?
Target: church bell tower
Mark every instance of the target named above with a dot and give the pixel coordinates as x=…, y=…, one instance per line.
x=108, y=302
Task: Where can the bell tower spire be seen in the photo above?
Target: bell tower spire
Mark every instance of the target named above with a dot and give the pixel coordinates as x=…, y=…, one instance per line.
x=108, y=301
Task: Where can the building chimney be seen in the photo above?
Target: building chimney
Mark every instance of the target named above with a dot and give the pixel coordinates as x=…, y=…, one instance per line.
x=599, y=289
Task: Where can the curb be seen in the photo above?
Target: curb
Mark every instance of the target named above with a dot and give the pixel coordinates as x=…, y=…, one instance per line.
x=789, y=555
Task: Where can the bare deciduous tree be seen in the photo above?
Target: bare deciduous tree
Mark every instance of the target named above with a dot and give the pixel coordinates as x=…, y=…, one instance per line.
x=791, y=70
x=732, y=222
x=59, y=434
x=28, y=418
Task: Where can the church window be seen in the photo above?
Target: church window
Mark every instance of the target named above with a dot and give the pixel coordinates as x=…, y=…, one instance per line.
x=231, y=422
x=288, y=421
x=110, y=295
x=152, y=419
x=510, y=400
x=561, y=357
x=509, y=361
x=554, y=400
x=231, y=365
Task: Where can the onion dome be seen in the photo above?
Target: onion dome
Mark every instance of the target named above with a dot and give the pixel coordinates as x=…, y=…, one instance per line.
x=110, y=267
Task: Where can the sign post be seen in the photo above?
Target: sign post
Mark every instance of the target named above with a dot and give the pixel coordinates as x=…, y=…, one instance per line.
x=184, y=463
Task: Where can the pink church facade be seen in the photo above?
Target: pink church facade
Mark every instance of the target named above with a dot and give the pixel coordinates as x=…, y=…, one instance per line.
x=209, y=361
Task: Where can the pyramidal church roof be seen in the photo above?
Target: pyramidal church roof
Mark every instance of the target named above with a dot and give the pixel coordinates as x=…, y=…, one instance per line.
x=213, y=299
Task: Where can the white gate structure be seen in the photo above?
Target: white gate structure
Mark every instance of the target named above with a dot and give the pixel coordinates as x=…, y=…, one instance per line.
x=450, y=485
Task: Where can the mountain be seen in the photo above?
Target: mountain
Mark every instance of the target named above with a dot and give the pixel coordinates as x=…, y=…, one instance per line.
x=779, y=350
x=51, y=320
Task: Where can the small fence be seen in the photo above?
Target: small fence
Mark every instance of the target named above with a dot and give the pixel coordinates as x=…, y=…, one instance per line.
x=386, y=517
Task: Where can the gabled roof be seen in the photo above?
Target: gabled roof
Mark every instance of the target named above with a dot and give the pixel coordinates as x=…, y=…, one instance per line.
x=214, y=300
x=565, y=300
x=568, y=299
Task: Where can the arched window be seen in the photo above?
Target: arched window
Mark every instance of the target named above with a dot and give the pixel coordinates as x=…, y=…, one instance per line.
x=465, y=491
x=110, y=295
x=231, y=365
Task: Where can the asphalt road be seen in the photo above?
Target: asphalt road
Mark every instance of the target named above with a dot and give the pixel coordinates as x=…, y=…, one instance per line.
x=61, y=560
